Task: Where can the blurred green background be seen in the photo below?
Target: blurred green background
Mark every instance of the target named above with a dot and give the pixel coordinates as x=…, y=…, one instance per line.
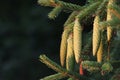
x=25, y=33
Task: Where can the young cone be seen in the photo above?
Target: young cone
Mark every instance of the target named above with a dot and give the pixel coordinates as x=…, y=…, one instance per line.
x=81, y=70
x=96, y=35
x=109, y=33
x=109, y=17
x=70, y=60
x=77, y=31
x=100, y=52
x=63, y=46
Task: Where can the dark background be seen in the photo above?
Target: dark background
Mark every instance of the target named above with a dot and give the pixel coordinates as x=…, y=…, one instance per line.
x=25, y=33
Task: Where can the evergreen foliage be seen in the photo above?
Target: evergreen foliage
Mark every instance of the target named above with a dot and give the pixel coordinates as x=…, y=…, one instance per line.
x=93, y=51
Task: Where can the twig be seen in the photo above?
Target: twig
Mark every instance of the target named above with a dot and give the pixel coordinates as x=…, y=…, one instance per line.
x=44, y=59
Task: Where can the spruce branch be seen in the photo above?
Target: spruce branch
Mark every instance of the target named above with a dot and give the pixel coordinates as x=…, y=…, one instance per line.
x=91, y=1
x=70, y=79
x=71, y=18
x=106, y=67
x=116, y=75
x=114, y=22
x=91, y=66
x=88, y=43
x=84, y=57
x=44, y=59
x=115, y=64
x=46, y=2
x=101, y=7
x=54, y=3
x=70, y=6
x=89, y=9
x=55, y=12
x=110, y=12
x=115, y=10
x=54, y=77
x=116, y=13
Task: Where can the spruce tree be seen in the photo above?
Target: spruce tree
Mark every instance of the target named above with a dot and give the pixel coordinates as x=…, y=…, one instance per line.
x=91, y=55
